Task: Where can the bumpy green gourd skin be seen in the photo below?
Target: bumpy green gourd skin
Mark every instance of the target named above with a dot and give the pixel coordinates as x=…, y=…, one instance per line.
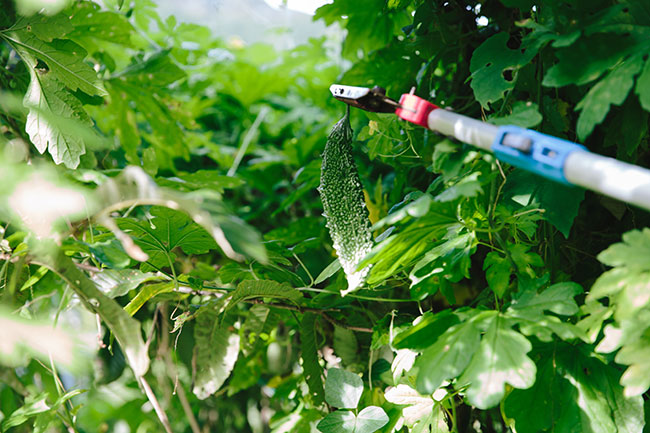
x=345, y=210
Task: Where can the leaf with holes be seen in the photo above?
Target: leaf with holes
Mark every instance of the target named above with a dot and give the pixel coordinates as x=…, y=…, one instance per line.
x=490, y=63
x=64, y=58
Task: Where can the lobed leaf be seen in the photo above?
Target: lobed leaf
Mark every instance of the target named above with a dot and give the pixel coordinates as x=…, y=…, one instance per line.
x=50, y=105
x=500, y=359
x=448, y=357
x=65, y=60
x=488, y=63
x=611, y=90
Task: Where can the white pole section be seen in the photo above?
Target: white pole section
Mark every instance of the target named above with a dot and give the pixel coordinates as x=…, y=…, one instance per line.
x=625, y=182
x=465, y=129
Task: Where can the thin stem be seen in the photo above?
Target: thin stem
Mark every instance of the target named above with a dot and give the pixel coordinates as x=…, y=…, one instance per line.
x=311, y=279
x=351, y=295
x=322, y=313
x=162, y=416
x=491, y=246
x=247, y=140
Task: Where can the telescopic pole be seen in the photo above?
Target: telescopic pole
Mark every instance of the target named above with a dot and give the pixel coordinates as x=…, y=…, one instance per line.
x=554, y=158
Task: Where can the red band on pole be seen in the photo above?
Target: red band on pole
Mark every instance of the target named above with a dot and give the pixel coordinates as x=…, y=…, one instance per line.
x=415, y=109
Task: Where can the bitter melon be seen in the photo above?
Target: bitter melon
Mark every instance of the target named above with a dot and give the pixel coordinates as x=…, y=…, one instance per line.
x=345, y=210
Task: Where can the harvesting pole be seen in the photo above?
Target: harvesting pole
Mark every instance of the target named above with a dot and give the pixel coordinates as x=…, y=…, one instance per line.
x=554, y=158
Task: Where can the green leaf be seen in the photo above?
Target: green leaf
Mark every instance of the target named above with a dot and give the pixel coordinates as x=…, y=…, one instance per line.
x=604, y=51
x=636, y=355
x=44, y=27
x=342, y=421
x=632, y=253
x=33, y=406
x=110, y=253
x=166, y=135
x=626, y=132
x=401, y=249
x=34, y=278
x=422, y=414
x=416, y=209
x=124, y=327
x=500, y=359
x=146, y=293
x=450, y=259
x=397, y=4
x=425, y=331
x=167, y=230
x=342, y=388
x=524, y=258
x=216, y=351
x=594, y=315
x=467, y=186
x=48, y=102
x=574, y=392
x=560, y=203
x=524, y=115
x=260, y=320
x=251, y=289
x=558, y=298
x=156, y=70
x=643, y=86
x=64, y=58
x=448, y=357
x=119, y=282
x=370, y=419
x=93, y=26
x=489, y=61
x=612, y=89
x=22, y=340
x=330, y=270
x=402, y=363
x=551, y=396
x=345, y=345
x=311, y=368
x=497, y=272
x=211, y=179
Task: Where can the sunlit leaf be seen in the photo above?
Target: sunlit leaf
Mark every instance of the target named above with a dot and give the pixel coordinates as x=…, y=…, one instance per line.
x=48, y=101
x=342, y=388
x=499, y=360
x=217, y=349
x=448, y=357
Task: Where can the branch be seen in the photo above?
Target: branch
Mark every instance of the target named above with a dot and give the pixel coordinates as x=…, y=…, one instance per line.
x=162, y=416
x=322, y=313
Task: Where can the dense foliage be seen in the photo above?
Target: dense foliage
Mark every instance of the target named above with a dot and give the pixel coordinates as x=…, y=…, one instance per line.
x=165, y=261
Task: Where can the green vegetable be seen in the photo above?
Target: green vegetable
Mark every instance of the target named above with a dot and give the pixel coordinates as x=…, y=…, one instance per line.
x=345, y=210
